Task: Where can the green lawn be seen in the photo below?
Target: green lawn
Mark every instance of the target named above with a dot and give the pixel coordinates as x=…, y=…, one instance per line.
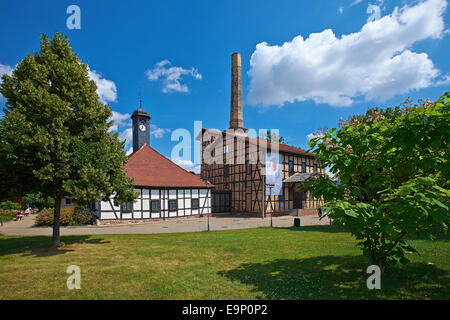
x=263, y=263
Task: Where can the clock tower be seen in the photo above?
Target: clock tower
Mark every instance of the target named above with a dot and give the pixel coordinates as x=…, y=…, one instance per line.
x=141, y=128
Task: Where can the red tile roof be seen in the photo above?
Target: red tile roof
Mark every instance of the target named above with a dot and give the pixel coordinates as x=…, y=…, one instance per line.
x=149, y=168
x=281, y=147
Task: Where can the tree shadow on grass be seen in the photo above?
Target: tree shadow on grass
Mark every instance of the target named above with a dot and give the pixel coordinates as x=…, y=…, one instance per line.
x=318, y=228
x=335, y=277
x=40, y=246
x=439, y=235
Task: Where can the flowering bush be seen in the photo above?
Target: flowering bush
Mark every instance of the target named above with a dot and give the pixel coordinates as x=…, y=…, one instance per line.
x=69, y=216
x=81, y=216
x=45, y=217
x=7, y=215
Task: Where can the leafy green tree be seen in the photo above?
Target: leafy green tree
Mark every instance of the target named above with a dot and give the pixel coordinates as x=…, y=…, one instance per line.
x=272, y=137
x=57, y=131
x=38, y=200
x=394, y=176
x=9, y=186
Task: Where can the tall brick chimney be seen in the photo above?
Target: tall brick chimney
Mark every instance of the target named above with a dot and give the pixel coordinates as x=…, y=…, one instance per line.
x=236, y=118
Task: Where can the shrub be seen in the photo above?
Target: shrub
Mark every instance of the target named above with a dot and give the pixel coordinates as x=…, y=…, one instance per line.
x=394, y=175
x=7, y=215
x=70, y=216
x=10, y=205
x=81, y=216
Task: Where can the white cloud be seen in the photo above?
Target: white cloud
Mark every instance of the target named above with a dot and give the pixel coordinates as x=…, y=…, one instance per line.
x=374, y=63
x=444, y=81
x=354, y=3
x=5, y=69
x=157, y=132
x=171, y=76
x=313, y=135
x=374, y=11
x=120, y=120
x=126, y=135
x=106, y=89
x=188, y=165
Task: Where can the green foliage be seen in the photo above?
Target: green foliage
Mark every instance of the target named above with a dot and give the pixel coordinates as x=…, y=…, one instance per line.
x=56, y=132
x=7, y=215
x=81, y=216
x=10, y=205
x=38, y=200
x=394, y=176
x=272, y=137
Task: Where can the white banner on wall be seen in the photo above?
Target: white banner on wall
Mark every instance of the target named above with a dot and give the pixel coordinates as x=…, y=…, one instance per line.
x=274, y=173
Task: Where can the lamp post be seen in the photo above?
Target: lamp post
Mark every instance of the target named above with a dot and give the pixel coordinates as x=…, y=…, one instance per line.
x=208, y=184
x=270, y=186
x=263, y=205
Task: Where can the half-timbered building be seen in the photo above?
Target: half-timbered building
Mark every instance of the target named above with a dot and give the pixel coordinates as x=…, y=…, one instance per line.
x=238, y=165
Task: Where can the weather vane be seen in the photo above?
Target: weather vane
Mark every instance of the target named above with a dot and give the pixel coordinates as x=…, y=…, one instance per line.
x=140, y=100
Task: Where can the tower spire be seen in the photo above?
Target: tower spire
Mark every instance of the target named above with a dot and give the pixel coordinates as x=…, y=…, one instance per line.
x=141, y=126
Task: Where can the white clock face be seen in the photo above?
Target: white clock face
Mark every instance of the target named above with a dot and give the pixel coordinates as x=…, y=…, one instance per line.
x=142, y=127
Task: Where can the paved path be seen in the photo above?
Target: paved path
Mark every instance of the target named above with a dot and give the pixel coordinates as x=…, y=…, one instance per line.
x=25, y=227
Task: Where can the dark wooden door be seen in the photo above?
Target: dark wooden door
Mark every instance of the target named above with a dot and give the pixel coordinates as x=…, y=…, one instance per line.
x=299, y=197
x=221, y=201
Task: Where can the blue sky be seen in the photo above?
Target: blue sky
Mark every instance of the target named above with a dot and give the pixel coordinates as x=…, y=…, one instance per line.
x=305, y=64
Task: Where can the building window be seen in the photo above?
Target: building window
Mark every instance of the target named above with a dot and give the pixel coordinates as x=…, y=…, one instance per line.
x=195, y=203
x=173, y=205
x=291, y=166
x=303, y=166
x=155, y=205
x=311, y=196
x=249, y=168
x=226, y=170
x=315, y=167
x=68, y=201
x=126, y=208
x=225, y=149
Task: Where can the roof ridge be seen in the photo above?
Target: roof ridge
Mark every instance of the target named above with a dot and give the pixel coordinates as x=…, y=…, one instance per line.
x=171, y=165
x=134, y=152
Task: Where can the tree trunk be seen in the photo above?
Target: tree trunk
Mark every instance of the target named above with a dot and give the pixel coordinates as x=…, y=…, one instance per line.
x=56, y=214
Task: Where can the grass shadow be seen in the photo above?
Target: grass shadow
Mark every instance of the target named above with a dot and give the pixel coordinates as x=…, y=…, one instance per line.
x=335, y=277
x=318, y=228
x=40, y=246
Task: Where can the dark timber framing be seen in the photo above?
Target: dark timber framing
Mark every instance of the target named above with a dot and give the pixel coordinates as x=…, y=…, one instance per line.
x=243, y=179
x=142, y=209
